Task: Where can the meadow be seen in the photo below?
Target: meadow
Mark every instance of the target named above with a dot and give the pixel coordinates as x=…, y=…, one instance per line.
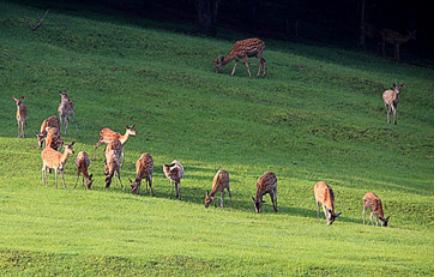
x=317, y=115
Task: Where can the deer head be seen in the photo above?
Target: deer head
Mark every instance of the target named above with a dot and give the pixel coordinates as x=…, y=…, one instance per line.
x=19, y=100
x=129, y=129
x=384, y=221
x=40, y=136
x=397, y=88
x=257, y=204
x=219, y=64
x=208, y=199
x=332, y=217
x=69, y=149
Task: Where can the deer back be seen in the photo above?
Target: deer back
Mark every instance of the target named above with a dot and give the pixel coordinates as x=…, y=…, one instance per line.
x=374, y=203
x=83, y=161
x=144, y=166
x=107, y=135
x=221, y=181
x=390, y=97
x=324, y=195
x=266, y=183
x=248, y=47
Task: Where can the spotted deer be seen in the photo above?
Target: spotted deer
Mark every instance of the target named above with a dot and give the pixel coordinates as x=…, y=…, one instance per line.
x=21, y=115
x=52, y=159
x=50, y=122
x=324, y=197
x=112, y=162
x=396, y=39
x=82, y=164
x=391, y=101
x=107, y=135
x=267, y=183
x=373, y=203
x=144, y=169
x=65, y=110
x=221, y=181
x=174, y=172
x=243, y=50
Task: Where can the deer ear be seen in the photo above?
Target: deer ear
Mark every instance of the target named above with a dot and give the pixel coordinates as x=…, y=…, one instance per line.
x=402, y=85
x=337, y=215
x=90, y=176
x=22, y=98
x=72, y=143
x=387, y=219
x=15, y=99
x=131, y=181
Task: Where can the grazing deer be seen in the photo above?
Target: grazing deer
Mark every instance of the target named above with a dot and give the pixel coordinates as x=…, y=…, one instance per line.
x=21, y=115
x=107, y=135
x=144, y=169
x=65, y=109
x=221, y=181
x=267, y=183
x=51, y=122
x=112, y=163
x=244, y=49
x=174, y=172
x=391, y=101
x=82, y=163
x=373, y=203
x=52, y=159
x=324, y=196
x=396, y=39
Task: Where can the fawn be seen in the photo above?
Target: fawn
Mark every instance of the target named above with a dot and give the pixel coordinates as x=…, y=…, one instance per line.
x=324, y=196
x=391, y=101
x=112, y=162
x=107, y=135
x=52, y=159
x=82, y=163
x=244, y=49
x=21, y=115
x=65, y=110
x=52, y=121
x=373, y=203
x=221, y=181
x=174, y=172
x=144, y=169
x=267, y=183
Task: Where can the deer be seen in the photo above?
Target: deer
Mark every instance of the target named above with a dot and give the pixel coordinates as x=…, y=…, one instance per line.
x=373, y=203
x=221, y=181
x=144, y=169
x=243, y=50
x=324, y=196
x=82, y=164
x=112, y=163
x=53, y=159
x=174, y=172
x=65, y=110
x=107, y=135
x=50, y=122
x=391, y=101
x=53, y=138
x=21, y=115
x=396, y=39
x=267, y=183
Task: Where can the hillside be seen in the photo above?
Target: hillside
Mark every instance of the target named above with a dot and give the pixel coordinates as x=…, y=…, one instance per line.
x=317, y=115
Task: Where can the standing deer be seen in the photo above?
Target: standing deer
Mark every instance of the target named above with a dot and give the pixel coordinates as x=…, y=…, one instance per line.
x=244, y=49
x=391, y=101
x=267, y=183
x=51, y=122
x=112, y=162
x=82, y=163
x=396, y=39
x=373, y=203
x=107, y=136
x=174, y=172
x=144, y=169
x=65, y=109
x=221, y=181
x=21, y=115
x=52, y=159
x=324, y=196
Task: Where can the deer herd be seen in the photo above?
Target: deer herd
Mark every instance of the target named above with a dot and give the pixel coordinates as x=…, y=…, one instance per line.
x=53, y=160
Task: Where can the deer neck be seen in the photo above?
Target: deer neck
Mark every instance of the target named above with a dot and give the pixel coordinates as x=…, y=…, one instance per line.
x=228, y=58
x=64, y=158
x=123, y=139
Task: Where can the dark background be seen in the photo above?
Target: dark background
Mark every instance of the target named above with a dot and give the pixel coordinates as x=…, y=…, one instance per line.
x=333, y=22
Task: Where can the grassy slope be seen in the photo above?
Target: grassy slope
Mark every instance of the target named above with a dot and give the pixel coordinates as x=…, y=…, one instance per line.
x=322, y=120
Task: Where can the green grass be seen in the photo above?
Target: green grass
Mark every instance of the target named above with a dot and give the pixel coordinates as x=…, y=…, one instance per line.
x=317, y=115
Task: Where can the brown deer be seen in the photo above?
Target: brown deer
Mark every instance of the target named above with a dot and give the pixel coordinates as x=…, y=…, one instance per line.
x=324, y=197
x=221, y=181
x=267, y=183
x=107, y=135
x=82, y=163
x=244, y=49
x=53, y=138
x=144, y=169
x=391, y=101
x=21, y=115
x=52, y=159
x=65, y=110
x=174, y=172
x=51, y=122
x=373, y=203
x=396, y=39
x=112, y=162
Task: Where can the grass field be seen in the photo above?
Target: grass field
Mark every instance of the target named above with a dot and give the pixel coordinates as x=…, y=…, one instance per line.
x=317, y=115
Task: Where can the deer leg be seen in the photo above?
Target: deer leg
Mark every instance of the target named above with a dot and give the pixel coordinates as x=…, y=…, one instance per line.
x=234, y=68
x=259, y=68
x=43, y=175
x=119, y=178
x=66, y=124
x=393, y=111
x=273, y=197
x=63, y=178
x=229, y=193
x=18, y=129
x=245, y=61
x=150, y=183
x=363, y=215
x=177, y=190
x=55, y=177
x=318, y=210
x=264, y=63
